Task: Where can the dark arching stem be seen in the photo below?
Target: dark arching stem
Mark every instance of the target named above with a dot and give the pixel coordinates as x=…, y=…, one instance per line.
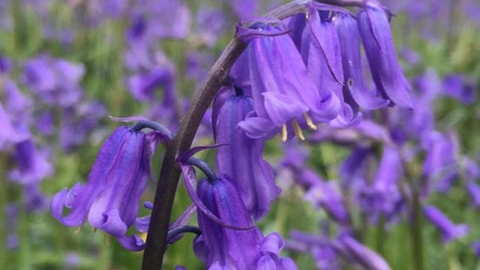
x=203, y=166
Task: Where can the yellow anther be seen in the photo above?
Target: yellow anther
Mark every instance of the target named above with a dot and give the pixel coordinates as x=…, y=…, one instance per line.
x=297, y=130
x=284, y=133
x=143, y=236
x=79, y=229
x=309, y=121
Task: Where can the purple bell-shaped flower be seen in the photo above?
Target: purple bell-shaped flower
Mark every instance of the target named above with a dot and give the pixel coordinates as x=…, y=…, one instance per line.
x=241, y=156
x=284, y=95
x=110, y=198
x=373, y=24
x=354, y=87
x=320, y=49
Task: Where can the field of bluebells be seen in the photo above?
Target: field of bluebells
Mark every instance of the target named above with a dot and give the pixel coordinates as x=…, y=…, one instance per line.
x=332, y=134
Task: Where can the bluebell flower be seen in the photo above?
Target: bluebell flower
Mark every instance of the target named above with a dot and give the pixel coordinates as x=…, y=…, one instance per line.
x=449, y=230
x=241, y=156
x=471, y=172
x=110, y=198
x=459, y=87
x=157, y=87
x=244, y=8
x=354, y=87
x=383, y=195
x=420, y=122
x=297, y=25
x=229, y=239
x=79, y=122
x=114, y=8
x=320, y=49
x=18, y=105
x=9, y=133
x=143, y=86
x=354, y=171
x=361, y=254
x=5, y=64
x=440, y=162
x=32, y=165
x=320, y=193
x=322, y=249
x=34, y=199
x=476, y=247
x=55, y=81
x=11, y=225
x=373, y=24
x=219, y=246
x=284, y=96
x=152, y=20
x=474, y=191
x=327, y=195
x=210, y=23
x=72, y=260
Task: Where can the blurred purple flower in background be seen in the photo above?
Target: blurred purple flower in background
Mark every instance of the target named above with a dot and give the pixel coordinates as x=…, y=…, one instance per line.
x=440, y=167
x=11, y=218
x=112, y=193
x=327, y=195
x=35, y=200
x=9, y=134
x=78, y=123
x=54, y=81
x=383, y=195
x=460, y=88
x=322, y=249
x=72, y=261
x=17, y=104
x=32, y=165
x=474, y=190
x=5, y=64
x=152, y=20
x=361, y=254
x=143, y=86
x=449, y=230
x=321, y=194
x=244, y=8
x=59, y=100
x=210, y=24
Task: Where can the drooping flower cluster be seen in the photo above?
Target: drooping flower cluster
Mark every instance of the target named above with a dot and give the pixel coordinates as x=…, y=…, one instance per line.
x=315, y=74
x=229, y=237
